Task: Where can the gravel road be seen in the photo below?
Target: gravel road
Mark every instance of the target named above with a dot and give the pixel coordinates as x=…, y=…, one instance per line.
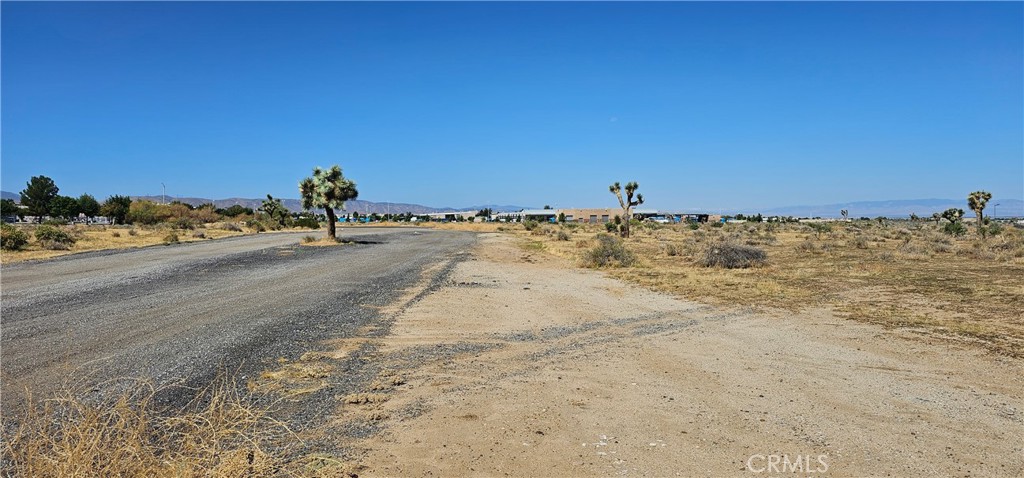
x=184, y=313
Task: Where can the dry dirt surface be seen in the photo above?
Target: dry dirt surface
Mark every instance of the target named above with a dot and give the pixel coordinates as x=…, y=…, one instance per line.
x=553, y=371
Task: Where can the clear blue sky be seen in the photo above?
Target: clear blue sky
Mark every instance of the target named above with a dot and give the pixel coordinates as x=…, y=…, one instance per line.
x=713, y=105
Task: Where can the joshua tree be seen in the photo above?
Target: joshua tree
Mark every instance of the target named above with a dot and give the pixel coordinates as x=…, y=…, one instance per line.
x=328, y=189
x=628, y=204
x=953, y=215
x=845, y=214
x=977, y=201
x=275, y=210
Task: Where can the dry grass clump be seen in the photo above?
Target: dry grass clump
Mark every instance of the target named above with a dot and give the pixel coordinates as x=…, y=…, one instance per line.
x=730, y=255
x=220, y=433
x=230, y=226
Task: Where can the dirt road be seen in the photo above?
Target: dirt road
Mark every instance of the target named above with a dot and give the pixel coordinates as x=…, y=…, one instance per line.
x=562, y=372
x=183, y=313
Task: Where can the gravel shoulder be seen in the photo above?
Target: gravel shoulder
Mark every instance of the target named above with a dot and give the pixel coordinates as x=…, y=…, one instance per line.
x=521, y=365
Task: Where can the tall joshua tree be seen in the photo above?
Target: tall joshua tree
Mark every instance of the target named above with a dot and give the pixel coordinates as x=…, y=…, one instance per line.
x=628, y=203
x=327, y=189
x=977, y=201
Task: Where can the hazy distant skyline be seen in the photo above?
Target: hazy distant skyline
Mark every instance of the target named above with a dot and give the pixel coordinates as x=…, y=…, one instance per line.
x=706, y=105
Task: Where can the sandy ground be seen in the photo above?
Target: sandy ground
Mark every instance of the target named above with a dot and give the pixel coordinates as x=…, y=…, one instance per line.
x=566, y=372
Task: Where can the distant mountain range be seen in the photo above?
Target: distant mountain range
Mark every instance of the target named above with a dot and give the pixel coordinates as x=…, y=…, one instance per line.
x=894, y=209
x=898, y=208
x=362, y=207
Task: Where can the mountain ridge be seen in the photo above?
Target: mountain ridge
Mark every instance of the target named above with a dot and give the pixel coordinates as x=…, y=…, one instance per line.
x=893, y=208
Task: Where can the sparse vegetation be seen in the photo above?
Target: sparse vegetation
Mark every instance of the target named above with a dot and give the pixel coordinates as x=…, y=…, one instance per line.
x=859, y=269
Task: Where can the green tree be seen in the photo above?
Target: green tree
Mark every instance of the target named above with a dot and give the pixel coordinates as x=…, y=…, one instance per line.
x=627, y=204
x=9, y=208
x=65, y=207
x=88, y=205
x=235, y=210
x=116, y=208
x=39, y=192
x=327, y=189
x=977, y=201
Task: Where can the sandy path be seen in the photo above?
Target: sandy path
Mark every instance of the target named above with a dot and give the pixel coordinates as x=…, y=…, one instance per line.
x=570, y=373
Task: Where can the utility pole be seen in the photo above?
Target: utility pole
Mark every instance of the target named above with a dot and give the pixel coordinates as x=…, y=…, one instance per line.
x=994, y=216
x=164, y=186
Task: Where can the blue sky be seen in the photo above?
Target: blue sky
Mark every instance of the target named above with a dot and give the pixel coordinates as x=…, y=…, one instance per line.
x=706, y=105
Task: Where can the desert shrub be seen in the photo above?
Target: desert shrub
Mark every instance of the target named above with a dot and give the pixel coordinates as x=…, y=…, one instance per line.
x=819, y=228
x=673, y=249
x=563, y=236
x=860, y=242
x=184, y=223
x=694, y=226
x=115, y=234
x=954, y=229
x=807, y=246
x=530, y=225
x=994, y=229
x=55, y=221
x=230, y=226
x=307, y=222
x=308, y=239
x=12, y=238
x=148, y=212
x=133, y=232
x=199, y=235
x=717, y=224
x=611, y=227
x=256, y=226
x=204, y=215
x=171, y=238
x=54, y=238
x=609, y=251
x=730, y=255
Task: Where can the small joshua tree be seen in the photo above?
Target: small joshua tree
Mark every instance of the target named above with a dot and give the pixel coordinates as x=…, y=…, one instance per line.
x=977, y=201
x=845, y=214
x=954, y=215
x=327, y=189
x=628, y=203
